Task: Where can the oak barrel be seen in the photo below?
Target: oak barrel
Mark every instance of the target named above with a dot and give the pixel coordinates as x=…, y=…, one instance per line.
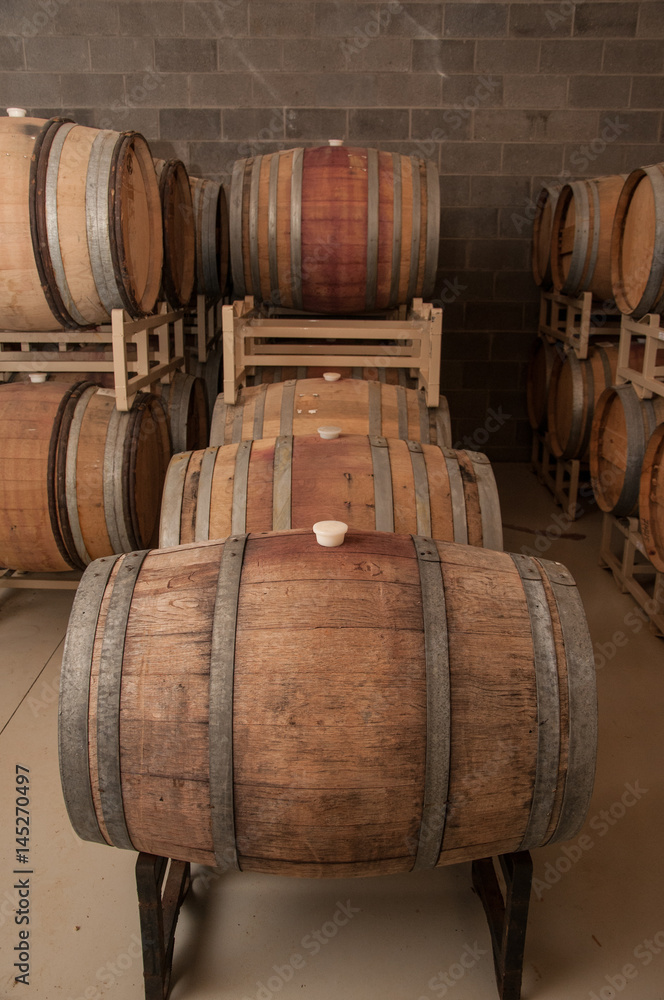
x=301, y=406
x=78, y=478
x=637, y=242
x=540, y=367
x=622, y=427
x=542, y=225
x=212, y=241
x=186, y=405
x=80, y=225
x=334, y=229
x=267, y=705
x=581, y=236
x=651, y=499
x=574, y=388
x=393, y=376
x=368, y=482
x=179, y=234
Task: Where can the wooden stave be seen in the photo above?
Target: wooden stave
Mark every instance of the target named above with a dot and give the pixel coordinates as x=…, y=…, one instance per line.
x=594, y=204
x=560, y=816
x=547, y=200
x=586, y=389
x=651, y=521
x=255, y=259
x=418, y=422
x=652, y=298
x=178, y=227
x=618, y=493
x=196, y=504
x=185, y=401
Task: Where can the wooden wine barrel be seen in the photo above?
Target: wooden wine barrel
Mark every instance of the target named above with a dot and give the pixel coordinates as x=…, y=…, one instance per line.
x=392, y=376
x=637, y=260
x=581, y=236
x=185, y=401
x=78, y=478
x=80, y=227
x=301, y=406
x=212, y=241
x=574, y=388
x=547, y=200
x=372, y=483
x=179, y=234
x=537, y=385
x=334, y=229
x=651, y=499
x=391, y=704
x=622, y=427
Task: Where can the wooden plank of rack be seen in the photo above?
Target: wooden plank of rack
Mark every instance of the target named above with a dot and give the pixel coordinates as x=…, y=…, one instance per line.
x=648, y=381
x=626, y=571
x=39, y=581
x=416, y=338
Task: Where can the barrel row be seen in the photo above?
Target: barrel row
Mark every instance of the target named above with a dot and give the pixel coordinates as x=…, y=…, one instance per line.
x=391, y=662
x=369, y=482
x=588, y=417
x=606, y=236
x=184, y=399
x=78, y=478
x=142, y=229
x=195, y=231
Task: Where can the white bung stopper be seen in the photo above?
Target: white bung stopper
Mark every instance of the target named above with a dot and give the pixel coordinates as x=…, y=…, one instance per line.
x=330, y=533
x=329, y=433
x=331, y=376
x=16, y=112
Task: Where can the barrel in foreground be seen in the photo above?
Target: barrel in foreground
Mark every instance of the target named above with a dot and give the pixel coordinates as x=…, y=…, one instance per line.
x=426, y=703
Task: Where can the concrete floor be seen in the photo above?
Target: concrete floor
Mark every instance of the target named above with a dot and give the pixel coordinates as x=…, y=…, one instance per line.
x=597, y=916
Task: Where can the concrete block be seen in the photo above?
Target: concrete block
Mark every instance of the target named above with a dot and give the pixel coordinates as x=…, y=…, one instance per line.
x=475, y=20
x=189, y=123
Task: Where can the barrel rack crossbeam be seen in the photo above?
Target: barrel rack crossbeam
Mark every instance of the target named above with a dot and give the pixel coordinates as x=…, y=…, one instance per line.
x=16, y=580
x=562, y=477
x=149, y=365
x=622, y=550
x=648, y=381
x=413, y=342
x=207, y=326
x=162, y=885
x=575, y=321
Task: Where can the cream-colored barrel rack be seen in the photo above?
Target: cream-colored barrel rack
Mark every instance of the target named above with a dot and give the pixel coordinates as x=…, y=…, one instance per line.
x=625, y=541
x=406, y=338
x=149, y=366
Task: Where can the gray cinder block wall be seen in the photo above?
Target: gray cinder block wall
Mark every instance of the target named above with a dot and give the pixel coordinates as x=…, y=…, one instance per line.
x=500, y=95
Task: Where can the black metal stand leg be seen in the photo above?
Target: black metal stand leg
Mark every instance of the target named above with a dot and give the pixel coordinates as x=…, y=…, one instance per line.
x=507, y=918
x=159, y=913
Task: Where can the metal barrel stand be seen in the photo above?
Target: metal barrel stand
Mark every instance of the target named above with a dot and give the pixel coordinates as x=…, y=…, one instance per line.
x=507, y=917
x=159, y=907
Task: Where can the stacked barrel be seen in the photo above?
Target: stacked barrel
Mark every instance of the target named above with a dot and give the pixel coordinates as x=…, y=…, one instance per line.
x=409, y=698
x=606, y=237
x=91, y=223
